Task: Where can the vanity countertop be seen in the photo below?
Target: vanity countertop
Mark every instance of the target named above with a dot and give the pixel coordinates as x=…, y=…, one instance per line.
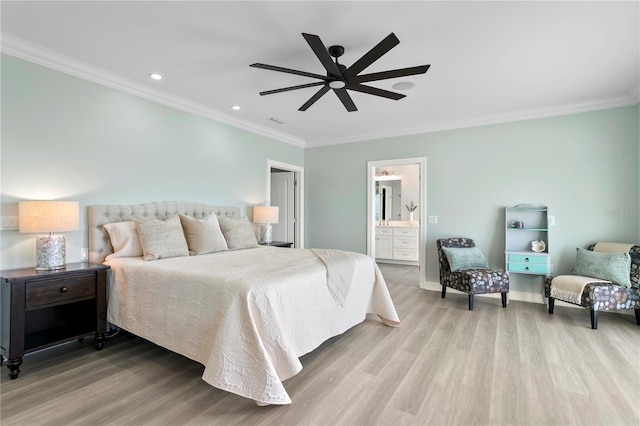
x=397, y=224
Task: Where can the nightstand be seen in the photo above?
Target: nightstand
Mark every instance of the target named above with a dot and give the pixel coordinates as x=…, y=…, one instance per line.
x=45, y=308
x=277, y=244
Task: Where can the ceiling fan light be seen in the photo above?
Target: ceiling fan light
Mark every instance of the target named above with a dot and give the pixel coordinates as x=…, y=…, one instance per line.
x=337, y=84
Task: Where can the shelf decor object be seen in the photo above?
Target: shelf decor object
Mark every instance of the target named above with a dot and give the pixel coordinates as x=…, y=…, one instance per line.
x=265, y=216
x=527, y=240
x=48, y=217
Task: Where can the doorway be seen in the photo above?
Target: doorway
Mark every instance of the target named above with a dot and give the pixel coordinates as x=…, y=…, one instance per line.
x=373, y=204
x=285, y=189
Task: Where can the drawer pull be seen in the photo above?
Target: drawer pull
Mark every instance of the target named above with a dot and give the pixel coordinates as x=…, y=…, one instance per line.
x=526, y=268
x=64, y=289
x=526, y=259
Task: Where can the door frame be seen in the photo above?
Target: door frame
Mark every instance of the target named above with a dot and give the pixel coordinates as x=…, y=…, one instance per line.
x=422, y=204
x=298, y=202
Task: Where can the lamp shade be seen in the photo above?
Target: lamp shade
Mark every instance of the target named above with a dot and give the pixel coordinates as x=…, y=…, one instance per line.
x=48, y=216
x=265, y=214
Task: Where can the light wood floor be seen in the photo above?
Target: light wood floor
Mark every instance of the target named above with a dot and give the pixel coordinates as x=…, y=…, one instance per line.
x=444, y=365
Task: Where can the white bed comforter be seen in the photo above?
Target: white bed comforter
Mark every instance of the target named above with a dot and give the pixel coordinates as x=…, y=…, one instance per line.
x=246, y=315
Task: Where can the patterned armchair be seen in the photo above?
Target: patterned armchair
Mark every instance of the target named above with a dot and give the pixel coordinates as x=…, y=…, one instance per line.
x=605, y=296
x=474, y=280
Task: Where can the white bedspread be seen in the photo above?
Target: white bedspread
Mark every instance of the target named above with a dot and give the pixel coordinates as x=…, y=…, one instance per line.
x=246, y=315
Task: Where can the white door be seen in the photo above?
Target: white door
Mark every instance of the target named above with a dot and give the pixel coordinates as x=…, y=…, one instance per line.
x=283, y=196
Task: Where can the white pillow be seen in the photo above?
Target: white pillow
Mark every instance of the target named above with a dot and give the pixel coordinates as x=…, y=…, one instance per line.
x=161, y=239
x=124, y=239
x=238, y=232
x=203, y=235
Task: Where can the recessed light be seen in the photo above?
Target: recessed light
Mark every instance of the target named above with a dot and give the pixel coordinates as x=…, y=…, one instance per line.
x=403, y=85
x=155, y=76
x=235, y=107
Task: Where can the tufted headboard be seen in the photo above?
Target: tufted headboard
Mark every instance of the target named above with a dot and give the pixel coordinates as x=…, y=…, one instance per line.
x=99, y=243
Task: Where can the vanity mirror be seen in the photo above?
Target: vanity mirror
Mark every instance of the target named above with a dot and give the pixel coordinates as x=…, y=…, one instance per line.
x=388, y=199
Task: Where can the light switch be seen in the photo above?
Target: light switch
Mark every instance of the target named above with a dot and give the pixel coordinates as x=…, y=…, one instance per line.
x=551, y=220
x=9, y=223
x=433, y=219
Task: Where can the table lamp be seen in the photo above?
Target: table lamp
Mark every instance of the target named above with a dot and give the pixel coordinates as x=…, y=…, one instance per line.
x=265, y=216
x=49, y=216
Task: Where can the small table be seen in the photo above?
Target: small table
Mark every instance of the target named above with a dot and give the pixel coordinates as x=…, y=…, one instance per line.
x=45, y=308
x=277, y=244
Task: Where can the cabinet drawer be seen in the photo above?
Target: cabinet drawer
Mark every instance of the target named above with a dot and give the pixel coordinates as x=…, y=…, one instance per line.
x=405, y=232
x=523, y=258
x=56, y=291
x=405, y=254
x=410, y=243
x=384, y=231
x=528, y=268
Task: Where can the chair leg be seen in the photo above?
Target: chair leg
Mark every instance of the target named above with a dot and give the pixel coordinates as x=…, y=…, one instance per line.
x=504, y=299
x=637, y=316
x=444, y=291
x=594, y=319
x=551, y=300
x=471, y=302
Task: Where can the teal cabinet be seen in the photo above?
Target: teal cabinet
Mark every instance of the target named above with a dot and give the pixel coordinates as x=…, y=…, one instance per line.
x=527, y=240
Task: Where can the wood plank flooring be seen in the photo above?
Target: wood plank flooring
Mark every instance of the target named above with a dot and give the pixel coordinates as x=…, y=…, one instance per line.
x=444, y=365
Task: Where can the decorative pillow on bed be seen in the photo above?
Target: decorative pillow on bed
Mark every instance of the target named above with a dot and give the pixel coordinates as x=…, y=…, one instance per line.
x=124, y=239
x=238, y=232
x=162, y=238
x=465, y=258
x=613, y=267
x=203, y=235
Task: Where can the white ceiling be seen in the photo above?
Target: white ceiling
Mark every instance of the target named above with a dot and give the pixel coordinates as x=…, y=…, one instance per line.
x=490, y=61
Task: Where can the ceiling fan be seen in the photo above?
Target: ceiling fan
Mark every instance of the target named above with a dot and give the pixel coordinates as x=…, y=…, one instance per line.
x=340, y=78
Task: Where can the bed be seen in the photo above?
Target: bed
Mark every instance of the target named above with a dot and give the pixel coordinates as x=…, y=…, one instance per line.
x=247, y=312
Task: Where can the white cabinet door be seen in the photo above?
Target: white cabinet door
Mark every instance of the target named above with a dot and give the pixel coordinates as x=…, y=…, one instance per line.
x=384, y=247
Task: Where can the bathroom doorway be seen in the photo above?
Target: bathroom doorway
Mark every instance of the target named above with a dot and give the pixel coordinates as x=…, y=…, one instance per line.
x=285, y=183
x=408, y=175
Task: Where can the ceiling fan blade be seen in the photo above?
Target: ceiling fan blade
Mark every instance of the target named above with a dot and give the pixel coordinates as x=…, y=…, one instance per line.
x=289, y=70
x=314, y=98
x=322, y=53
x=286, y=89
x=388, y=43
x=401, y=72
x=375, y=91
x=345, y=99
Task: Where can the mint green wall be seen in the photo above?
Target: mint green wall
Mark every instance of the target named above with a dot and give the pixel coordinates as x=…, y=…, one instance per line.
x=583, y=166
x=67, y=138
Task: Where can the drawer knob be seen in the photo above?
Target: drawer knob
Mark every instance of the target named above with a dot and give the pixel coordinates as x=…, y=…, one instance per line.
x=526, y=259
x=64, y=289
x=526, y=268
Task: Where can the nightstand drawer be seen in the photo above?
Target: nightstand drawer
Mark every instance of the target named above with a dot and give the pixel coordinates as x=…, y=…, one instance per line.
x=56, y=291
x=523, y=258
x=528, y=268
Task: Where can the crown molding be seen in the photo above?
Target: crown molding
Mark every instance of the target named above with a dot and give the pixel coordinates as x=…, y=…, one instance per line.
x=632, y=98
x=19, y=48
x=31, y=52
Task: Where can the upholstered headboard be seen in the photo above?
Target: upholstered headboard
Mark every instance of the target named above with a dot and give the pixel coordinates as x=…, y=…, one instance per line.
x=99, y=243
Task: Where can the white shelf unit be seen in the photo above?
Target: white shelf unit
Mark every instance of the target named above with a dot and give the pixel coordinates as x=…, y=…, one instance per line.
x=519, y=256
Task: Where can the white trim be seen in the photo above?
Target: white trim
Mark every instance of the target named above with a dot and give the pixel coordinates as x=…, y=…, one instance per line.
x=31, y=52
x=299, y=195
x=22, y=49
x=422, y=206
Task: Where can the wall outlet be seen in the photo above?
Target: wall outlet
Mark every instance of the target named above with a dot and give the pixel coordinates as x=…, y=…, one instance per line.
x=551, y=220
x=433, y=219
x=84, y=253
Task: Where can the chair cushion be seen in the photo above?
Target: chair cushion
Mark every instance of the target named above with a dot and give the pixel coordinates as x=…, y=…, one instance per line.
x=464, y=258
x=613, y=267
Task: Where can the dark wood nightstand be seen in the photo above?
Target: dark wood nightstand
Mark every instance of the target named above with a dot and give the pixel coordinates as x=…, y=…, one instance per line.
x=45, y=308
x=277, y=244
